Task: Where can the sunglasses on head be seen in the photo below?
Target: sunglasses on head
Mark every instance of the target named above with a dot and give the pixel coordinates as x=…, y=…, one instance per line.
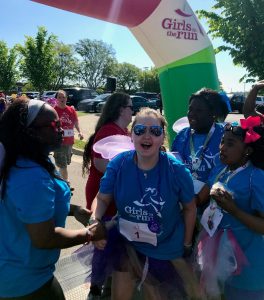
x=154, y=130
x=235, y=129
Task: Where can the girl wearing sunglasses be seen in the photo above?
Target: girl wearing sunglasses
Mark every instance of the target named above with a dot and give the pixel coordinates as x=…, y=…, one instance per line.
x=152, y=232
x=231, y=247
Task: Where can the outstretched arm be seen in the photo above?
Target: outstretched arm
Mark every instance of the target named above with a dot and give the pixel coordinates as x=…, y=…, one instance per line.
x=249, y=108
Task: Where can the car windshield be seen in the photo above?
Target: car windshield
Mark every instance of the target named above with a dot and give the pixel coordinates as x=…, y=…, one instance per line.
x=100, y=97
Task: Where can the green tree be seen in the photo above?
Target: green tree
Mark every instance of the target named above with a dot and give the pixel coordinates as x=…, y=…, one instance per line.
x=149, y=81
x=66, y=65
x=8, y=72
x=39, y=61
x=127, y=77
x=240, y=24
x=97, y=62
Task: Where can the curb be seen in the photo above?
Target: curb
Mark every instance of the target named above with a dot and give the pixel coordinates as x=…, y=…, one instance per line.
x=77, y=151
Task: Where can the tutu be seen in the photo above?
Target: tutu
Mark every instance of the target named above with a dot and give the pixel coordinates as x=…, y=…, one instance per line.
x=119, y=255
x=218, y=257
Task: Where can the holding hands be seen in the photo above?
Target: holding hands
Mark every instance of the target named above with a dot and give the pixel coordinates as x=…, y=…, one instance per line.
x=98, y=233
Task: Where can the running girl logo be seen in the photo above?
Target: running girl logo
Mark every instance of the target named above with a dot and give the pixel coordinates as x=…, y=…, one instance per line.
x=151, y=199
x=179, y=28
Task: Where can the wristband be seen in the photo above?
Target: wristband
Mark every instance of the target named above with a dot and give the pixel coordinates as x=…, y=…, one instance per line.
x=187, y=245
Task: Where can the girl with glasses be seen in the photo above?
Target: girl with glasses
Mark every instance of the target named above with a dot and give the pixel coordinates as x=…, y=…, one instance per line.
x=35, y=202
x=231, y=247
x=148, y=186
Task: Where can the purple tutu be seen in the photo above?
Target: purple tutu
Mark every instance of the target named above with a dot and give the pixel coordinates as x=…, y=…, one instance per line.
x=119, y=255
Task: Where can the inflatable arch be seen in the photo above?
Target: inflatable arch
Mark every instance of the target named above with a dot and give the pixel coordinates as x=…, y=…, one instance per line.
x=171, y=35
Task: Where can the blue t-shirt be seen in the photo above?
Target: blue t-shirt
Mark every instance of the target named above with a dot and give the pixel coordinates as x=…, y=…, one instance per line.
x=248, y=193
x=32, y=196
x=210, y=159
x=151, y=196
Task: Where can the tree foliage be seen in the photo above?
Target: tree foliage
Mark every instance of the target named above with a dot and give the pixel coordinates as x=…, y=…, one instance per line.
x=66, y=65
x=97, y=61
x=240, y=24
x=38, y=62
x=149, y=81
x=127, y=77
x=8, y=72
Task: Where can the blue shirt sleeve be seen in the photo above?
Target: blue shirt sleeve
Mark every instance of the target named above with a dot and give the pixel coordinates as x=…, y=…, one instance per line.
x=107, y=182
x=257, y=190
x=180, y=141
x=184, y=181
x=35, y=202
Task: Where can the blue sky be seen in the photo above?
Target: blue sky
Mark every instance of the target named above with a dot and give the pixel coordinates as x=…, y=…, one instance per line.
x=22, y=17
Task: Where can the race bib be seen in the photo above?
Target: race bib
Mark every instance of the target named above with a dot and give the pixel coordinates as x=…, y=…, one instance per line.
x=211, y=219
x=68, y=132
x=137, y=232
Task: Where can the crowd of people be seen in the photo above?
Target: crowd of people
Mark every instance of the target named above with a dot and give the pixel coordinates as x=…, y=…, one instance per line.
x=185, y=227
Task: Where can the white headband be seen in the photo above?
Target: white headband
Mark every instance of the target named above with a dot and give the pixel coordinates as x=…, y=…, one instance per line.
x=34, y=106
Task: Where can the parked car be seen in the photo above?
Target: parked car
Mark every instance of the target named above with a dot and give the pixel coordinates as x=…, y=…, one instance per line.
x=48, y=94
x=260, y=100
x=32, y=95
x=91, y=105
x=76, y=94
x=137, y=101
x=237, y=102
x=147, y=95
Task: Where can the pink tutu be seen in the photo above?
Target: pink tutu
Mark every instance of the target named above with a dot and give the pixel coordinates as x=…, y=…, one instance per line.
x=218, y=257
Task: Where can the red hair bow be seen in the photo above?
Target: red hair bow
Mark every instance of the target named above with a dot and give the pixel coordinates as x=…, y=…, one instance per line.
x=248, y=124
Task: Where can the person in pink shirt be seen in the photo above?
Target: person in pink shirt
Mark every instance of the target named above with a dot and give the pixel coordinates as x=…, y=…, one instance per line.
x=69, y=121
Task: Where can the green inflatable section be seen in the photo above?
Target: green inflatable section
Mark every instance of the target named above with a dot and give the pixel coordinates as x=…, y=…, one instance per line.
x=182, y=78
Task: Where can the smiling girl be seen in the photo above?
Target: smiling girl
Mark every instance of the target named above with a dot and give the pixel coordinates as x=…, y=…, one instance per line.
x=231, y=248
x=148, y=186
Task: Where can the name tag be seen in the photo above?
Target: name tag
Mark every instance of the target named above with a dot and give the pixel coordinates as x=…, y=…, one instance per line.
x=211, y=219
x=68, y=132
x=137, y=232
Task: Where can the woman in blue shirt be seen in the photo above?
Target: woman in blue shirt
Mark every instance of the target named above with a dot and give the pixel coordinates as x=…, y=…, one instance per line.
x=35, y=202
x=148, y=186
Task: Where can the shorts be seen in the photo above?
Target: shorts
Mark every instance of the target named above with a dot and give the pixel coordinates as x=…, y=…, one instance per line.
x=63, y=156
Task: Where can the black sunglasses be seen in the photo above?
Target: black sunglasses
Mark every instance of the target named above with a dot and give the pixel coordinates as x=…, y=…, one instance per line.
x=236, y=130
x=154, y=130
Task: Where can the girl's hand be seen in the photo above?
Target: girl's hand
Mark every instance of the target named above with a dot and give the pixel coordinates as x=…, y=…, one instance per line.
x=225, y=200
x=98, y=232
